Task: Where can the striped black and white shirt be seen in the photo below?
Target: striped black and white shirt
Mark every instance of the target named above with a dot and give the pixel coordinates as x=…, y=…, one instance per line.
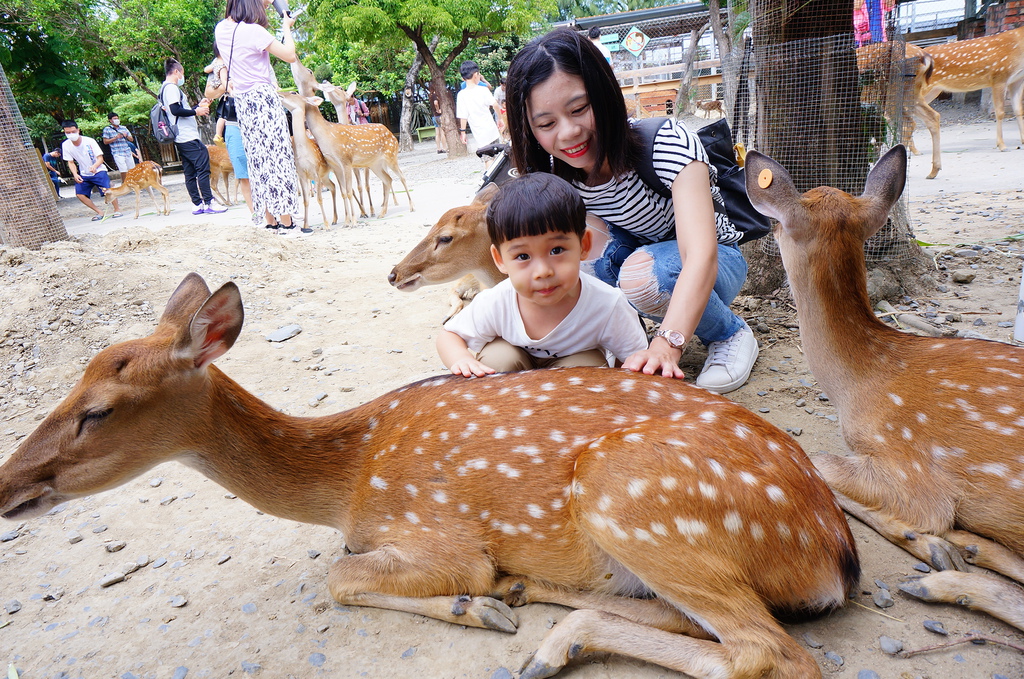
x=627, y=202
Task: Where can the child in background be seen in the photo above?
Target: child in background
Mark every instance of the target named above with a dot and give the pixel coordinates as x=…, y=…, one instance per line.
x=547, y=313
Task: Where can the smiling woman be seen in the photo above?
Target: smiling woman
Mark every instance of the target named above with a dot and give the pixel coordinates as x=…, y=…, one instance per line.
x=567, y=116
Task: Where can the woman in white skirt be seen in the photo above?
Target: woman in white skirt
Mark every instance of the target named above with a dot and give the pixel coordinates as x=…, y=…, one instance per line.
x=245, y=45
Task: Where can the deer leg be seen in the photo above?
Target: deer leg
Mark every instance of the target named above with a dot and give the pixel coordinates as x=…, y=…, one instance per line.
x=1017, y=98
x=304, y=188
x=318, y=191
x=166, y=194
x=393, y=166
x=334, y=198
x=931, y=120
x=385, y=179
x=359, y=194
x=987, y=554
x=418, y=580
x=977, y=591
x=216, y=191
x=855, y=485
x=518, y=591
x=999, y=104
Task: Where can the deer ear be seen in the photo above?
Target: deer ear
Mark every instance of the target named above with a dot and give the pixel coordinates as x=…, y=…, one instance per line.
x=216, y=325
x=351, y=88
x=314, y=101
x=485, y=195
x=884, y=186
x=184, y=301
x=326, y=87
x=770, y=188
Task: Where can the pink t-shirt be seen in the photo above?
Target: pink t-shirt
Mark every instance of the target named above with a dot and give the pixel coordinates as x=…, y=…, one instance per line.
x=249, y=63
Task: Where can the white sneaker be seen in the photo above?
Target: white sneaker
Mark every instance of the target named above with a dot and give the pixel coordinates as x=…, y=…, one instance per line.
x=729, y=362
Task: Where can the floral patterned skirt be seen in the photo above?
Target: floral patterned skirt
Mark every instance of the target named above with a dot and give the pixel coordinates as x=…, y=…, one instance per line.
x=268, y=148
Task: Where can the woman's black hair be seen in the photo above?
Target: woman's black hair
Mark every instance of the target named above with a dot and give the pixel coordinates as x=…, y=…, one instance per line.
x=533, y=205
x=566, y=50
x=247, y=12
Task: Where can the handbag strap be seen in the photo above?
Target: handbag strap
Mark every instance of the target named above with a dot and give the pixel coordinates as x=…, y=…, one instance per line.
x=231, y=53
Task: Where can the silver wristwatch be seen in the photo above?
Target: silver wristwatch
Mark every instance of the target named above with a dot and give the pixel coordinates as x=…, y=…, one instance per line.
x=674, y=338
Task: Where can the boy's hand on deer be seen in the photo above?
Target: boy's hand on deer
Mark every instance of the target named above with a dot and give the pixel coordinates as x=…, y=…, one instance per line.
x=470, y=367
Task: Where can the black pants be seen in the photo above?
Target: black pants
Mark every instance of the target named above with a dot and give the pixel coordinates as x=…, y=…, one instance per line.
x=195, y=161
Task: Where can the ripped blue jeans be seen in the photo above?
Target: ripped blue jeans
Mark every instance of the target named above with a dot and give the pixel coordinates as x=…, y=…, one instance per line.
x=650, y=281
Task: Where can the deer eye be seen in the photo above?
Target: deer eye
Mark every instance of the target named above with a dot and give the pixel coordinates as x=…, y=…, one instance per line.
x=92, y=417
x=445, y=239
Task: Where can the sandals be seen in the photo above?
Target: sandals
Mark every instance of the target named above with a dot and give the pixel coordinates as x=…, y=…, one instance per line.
x=97, y=218
x=117, y=214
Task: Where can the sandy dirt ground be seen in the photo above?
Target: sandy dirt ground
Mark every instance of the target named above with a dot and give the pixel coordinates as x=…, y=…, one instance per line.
x=254, y=586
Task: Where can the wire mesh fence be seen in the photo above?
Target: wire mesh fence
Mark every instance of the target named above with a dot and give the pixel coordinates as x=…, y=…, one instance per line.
x=28, y=213
x=796, y=87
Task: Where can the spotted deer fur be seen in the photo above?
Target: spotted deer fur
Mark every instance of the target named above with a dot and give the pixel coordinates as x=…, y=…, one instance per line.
x=935, y=425
x=677, y=519
x=145, y=175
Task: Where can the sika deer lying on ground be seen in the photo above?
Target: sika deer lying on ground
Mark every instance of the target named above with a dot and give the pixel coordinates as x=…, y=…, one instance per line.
x=678, y=518
x=935, y=425
x=457, y=247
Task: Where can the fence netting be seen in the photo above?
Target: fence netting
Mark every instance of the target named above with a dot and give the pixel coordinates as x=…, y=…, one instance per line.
x=28, y=212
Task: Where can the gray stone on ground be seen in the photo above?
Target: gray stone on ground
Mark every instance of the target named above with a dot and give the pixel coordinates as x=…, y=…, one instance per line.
x=812, y=641
x=74, y=537
x=115, y=546
x=883, y=599
x=111, y=579
x=834, y=657
x=960, y=276
x=9, y=535
x=12, y=606
x=935, y=626
x=868, y=674
x=890, y=645
x=178, y=601
x=284, y=333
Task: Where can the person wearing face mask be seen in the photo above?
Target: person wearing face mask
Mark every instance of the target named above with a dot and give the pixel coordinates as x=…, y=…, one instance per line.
x=195, y=159
x=85, y=160
x=117, y=136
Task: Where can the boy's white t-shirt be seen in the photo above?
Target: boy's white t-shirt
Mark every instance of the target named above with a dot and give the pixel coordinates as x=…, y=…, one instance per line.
x=473, y=105
x=85, y=155
x=601, y=319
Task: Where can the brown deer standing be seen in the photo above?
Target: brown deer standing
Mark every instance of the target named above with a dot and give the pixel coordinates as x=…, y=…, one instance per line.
x=709, y=106
x=456, y=247
x=221, y=169
x=995, y=61
x=882, y=66
x=679, y=519
x=145, y=175
x=935, y=425
x=312, y=169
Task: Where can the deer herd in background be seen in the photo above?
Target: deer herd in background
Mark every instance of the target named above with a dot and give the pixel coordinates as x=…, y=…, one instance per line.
x=320, y=146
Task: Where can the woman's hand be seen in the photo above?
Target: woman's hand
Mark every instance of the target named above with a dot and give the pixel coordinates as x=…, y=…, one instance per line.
x=659, y=357
x=287, y=22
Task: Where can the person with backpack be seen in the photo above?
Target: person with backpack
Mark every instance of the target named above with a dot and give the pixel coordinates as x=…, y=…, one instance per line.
x=195, y=159
x=674, y=257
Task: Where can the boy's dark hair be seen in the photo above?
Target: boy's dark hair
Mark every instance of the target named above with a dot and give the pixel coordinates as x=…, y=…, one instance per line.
x=533, y=205
x=594, y=33
x=467, y=69
x=68, y=123
x=170, y=66
x=247, y=12
x=112, y=115
x=565, y=50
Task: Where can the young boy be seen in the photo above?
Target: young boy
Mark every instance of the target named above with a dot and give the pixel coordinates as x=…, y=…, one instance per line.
x=547, y=313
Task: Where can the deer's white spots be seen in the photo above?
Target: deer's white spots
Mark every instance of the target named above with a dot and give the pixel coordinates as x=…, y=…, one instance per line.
x=998, y=428
x=708, y=416
x=441, y=404
x=775, y=494
x=378, y=483
x=454, y=415
x=677, y=443
x=907, y=434
x=524, y=528
x=707, y=490
x=732, y=522
x=896, y=398
x=597, y=389
x=393, y=404
x=636, y=487
x=633, y=438
x=575, y=381
x=879, y=439
x=627, y=385
x=741, y=431
x=691, y=528
x=464, y=508
x=505, y=528
x=500, y=432
x=412, y=518
x=542, y=398
x=774, y=447
x=604, y=503
x=427, y=434
x=748, y=478
x=484, y=515
x=413, y=490
x=557, y=436
x=469, y=397
x=669, y=482
x=643, y=535
x=443, y=436
x=994, y=468
x=922, y=418
x=486, y=409
x=372, y=423
x=1006, y=410
x=756, y=532
x=548, y=386
x=535, y=511
x=716, y=468
x=509, y=471
x=526, y=412
x=659, y=528
x=783, y=531
x=440, y=497
x=653, y=396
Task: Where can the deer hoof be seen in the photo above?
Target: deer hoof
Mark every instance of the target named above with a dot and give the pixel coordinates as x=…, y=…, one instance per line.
x=946, y=557
x=914, y=586
x=535, y=669
x=483, y=611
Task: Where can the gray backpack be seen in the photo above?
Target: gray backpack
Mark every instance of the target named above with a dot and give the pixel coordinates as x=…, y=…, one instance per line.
x=163, y=130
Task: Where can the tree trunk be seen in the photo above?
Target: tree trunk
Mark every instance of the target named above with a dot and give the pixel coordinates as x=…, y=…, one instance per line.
x=28, y=214
x=405, y=128
x=683, y=103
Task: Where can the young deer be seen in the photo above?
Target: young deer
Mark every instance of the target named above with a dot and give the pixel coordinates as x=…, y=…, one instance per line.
x=995, y=61
x=310, y=165
x=678, y=518
x=221, y=169
x=145, y=175
x=456, y=247
x=933, y=423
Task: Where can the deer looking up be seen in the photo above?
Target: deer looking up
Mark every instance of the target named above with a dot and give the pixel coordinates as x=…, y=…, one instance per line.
x=145, y=175
x=995, y=61
x=310, y=165
x=935, y=425
x=679, y=520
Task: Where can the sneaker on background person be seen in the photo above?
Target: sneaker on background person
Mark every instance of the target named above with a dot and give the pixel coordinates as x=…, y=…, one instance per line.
x=729, y=362
x=209, y=209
